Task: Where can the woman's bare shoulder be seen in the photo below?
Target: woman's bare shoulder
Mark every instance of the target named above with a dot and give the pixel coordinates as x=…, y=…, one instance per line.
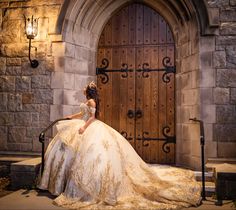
x=92, y=103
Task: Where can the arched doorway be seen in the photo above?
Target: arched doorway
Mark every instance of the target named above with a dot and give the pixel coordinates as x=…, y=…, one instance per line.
x=135, y=76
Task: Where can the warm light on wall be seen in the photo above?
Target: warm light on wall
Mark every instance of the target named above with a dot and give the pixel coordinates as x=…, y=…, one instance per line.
x=31, y=30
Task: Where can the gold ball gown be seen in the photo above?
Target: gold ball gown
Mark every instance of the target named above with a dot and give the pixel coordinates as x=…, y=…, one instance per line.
x=100, y=170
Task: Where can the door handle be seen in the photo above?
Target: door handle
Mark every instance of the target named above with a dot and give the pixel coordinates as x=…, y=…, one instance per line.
x=138, y=113
x=130, y=114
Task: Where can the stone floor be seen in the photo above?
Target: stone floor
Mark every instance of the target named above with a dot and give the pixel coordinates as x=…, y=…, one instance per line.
x=35, y=200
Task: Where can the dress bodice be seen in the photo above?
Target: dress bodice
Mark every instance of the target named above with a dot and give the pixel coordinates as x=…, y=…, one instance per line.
x=87, y=111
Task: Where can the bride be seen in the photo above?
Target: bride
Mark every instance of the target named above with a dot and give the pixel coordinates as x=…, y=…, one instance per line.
x=89, y=165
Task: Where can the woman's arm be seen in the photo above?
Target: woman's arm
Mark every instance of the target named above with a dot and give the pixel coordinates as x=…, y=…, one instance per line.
x=92, y=104
x=75, y=116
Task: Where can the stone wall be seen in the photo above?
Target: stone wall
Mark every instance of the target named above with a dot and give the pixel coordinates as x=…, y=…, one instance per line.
x=224, y=91
x=25, y=93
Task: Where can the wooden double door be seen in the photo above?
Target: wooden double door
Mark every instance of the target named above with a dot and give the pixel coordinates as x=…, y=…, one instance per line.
x=135, y=76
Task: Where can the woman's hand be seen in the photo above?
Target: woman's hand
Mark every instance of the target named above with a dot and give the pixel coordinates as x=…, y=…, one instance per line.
x=81, y=130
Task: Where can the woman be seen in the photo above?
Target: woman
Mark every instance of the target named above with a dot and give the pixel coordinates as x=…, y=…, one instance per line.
x=91, y=166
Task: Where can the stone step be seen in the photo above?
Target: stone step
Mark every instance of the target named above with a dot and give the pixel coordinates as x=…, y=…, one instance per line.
x=210, y=188
x=209, y=176
x=25, y=173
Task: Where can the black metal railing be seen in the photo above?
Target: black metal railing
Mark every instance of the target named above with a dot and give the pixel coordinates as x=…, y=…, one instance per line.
x=202, y=142
x=42, y=140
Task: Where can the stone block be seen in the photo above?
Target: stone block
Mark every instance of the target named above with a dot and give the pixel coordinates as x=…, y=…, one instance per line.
x=58, y=49
x=226, y=114
x=27, y=98
x=218, y=3
x=190, y=97
x=26, y=147
x=22, y=118
x=185, y=80
x=214, y=17
x=40, y=81
x=190, y=63
x=72, y=97
x=6, y=118
x=195, y=147
x=14, y=102
x=59, y=63
x=206, y=95
x=16, y=134
x=228, y=28
x=207, y=44
x=221, y=95
x=23, y=84
x=208, y=113
x=7, y=83
x=82, y=53
x=226, y=150
x=11, y=31
x=3, y=137
x=24, y=173
x=191, y=131
x=226, y=40
x=14, y=50
x=232, y=2
x=210, y=149
x=226, y=78
x=70, y=50
x=3, y=104
x=185, y=147
x=227, y=15
x=13, y=70
x=57, y=80
x=233, y=95
x=207, y=78
x=57, y=96
x=37, y=146
x=13, y=62
x=205, y=60
x=80, y=67
x=33, y=131
x=208, y=129
x=31, y=107
x=13, y=146
x=67, y=110
x=224, y=132
x=219, y=59
x=42, y=96
x=69, y=81
x=231, y=56
x=81, y=81
x=34, y=119
x=55, y=112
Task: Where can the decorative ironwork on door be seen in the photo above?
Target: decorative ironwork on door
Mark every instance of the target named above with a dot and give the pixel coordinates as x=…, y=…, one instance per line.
x=136, y=114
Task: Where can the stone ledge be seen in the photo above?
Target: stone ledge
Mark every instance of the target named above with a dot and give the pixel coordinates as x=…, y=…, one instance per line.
x=25, y=173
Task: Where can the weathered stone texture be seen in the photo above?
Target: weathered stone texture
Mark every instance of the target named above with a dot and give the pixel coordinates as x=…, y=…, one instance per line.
x=225, y=132
x=228, y=29
x=42, y=96
x=13, y=70
x=221, y=95
x=40, y=81
x=7, y=83
x=14, y=102
x=23, y=84
x=227, y=15
x=226, y=114
x=17, y=134
x=233, y=95
x=231, y=56
x=219, y=59
x=226, y=78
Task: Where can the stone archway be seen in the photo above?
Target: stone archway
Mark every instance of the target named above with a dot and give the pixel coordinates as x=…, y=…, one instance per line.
x=80, y=24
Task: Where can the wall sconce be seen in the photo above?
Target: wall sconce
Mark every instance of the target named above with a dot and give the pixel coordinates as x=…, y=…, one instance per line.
x=31, y=30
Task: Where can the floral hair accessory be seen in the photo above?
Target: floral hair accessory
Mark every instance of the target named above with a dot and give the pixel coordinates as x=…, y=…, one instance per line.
x=92, y=85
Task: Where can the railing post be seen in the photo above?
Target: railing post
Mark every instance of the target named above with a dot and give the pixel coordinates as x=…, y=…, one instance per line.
x=42, y=140
x=202, y=142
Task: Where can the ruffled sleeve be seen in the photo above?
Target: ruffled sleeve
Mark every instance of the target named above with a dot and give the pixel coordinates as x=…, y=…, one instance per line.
x=92, y=110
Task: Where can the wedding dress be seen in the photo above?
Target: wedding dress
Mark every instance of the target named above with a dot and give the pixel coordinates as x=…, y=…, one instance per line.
x=100, y=170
